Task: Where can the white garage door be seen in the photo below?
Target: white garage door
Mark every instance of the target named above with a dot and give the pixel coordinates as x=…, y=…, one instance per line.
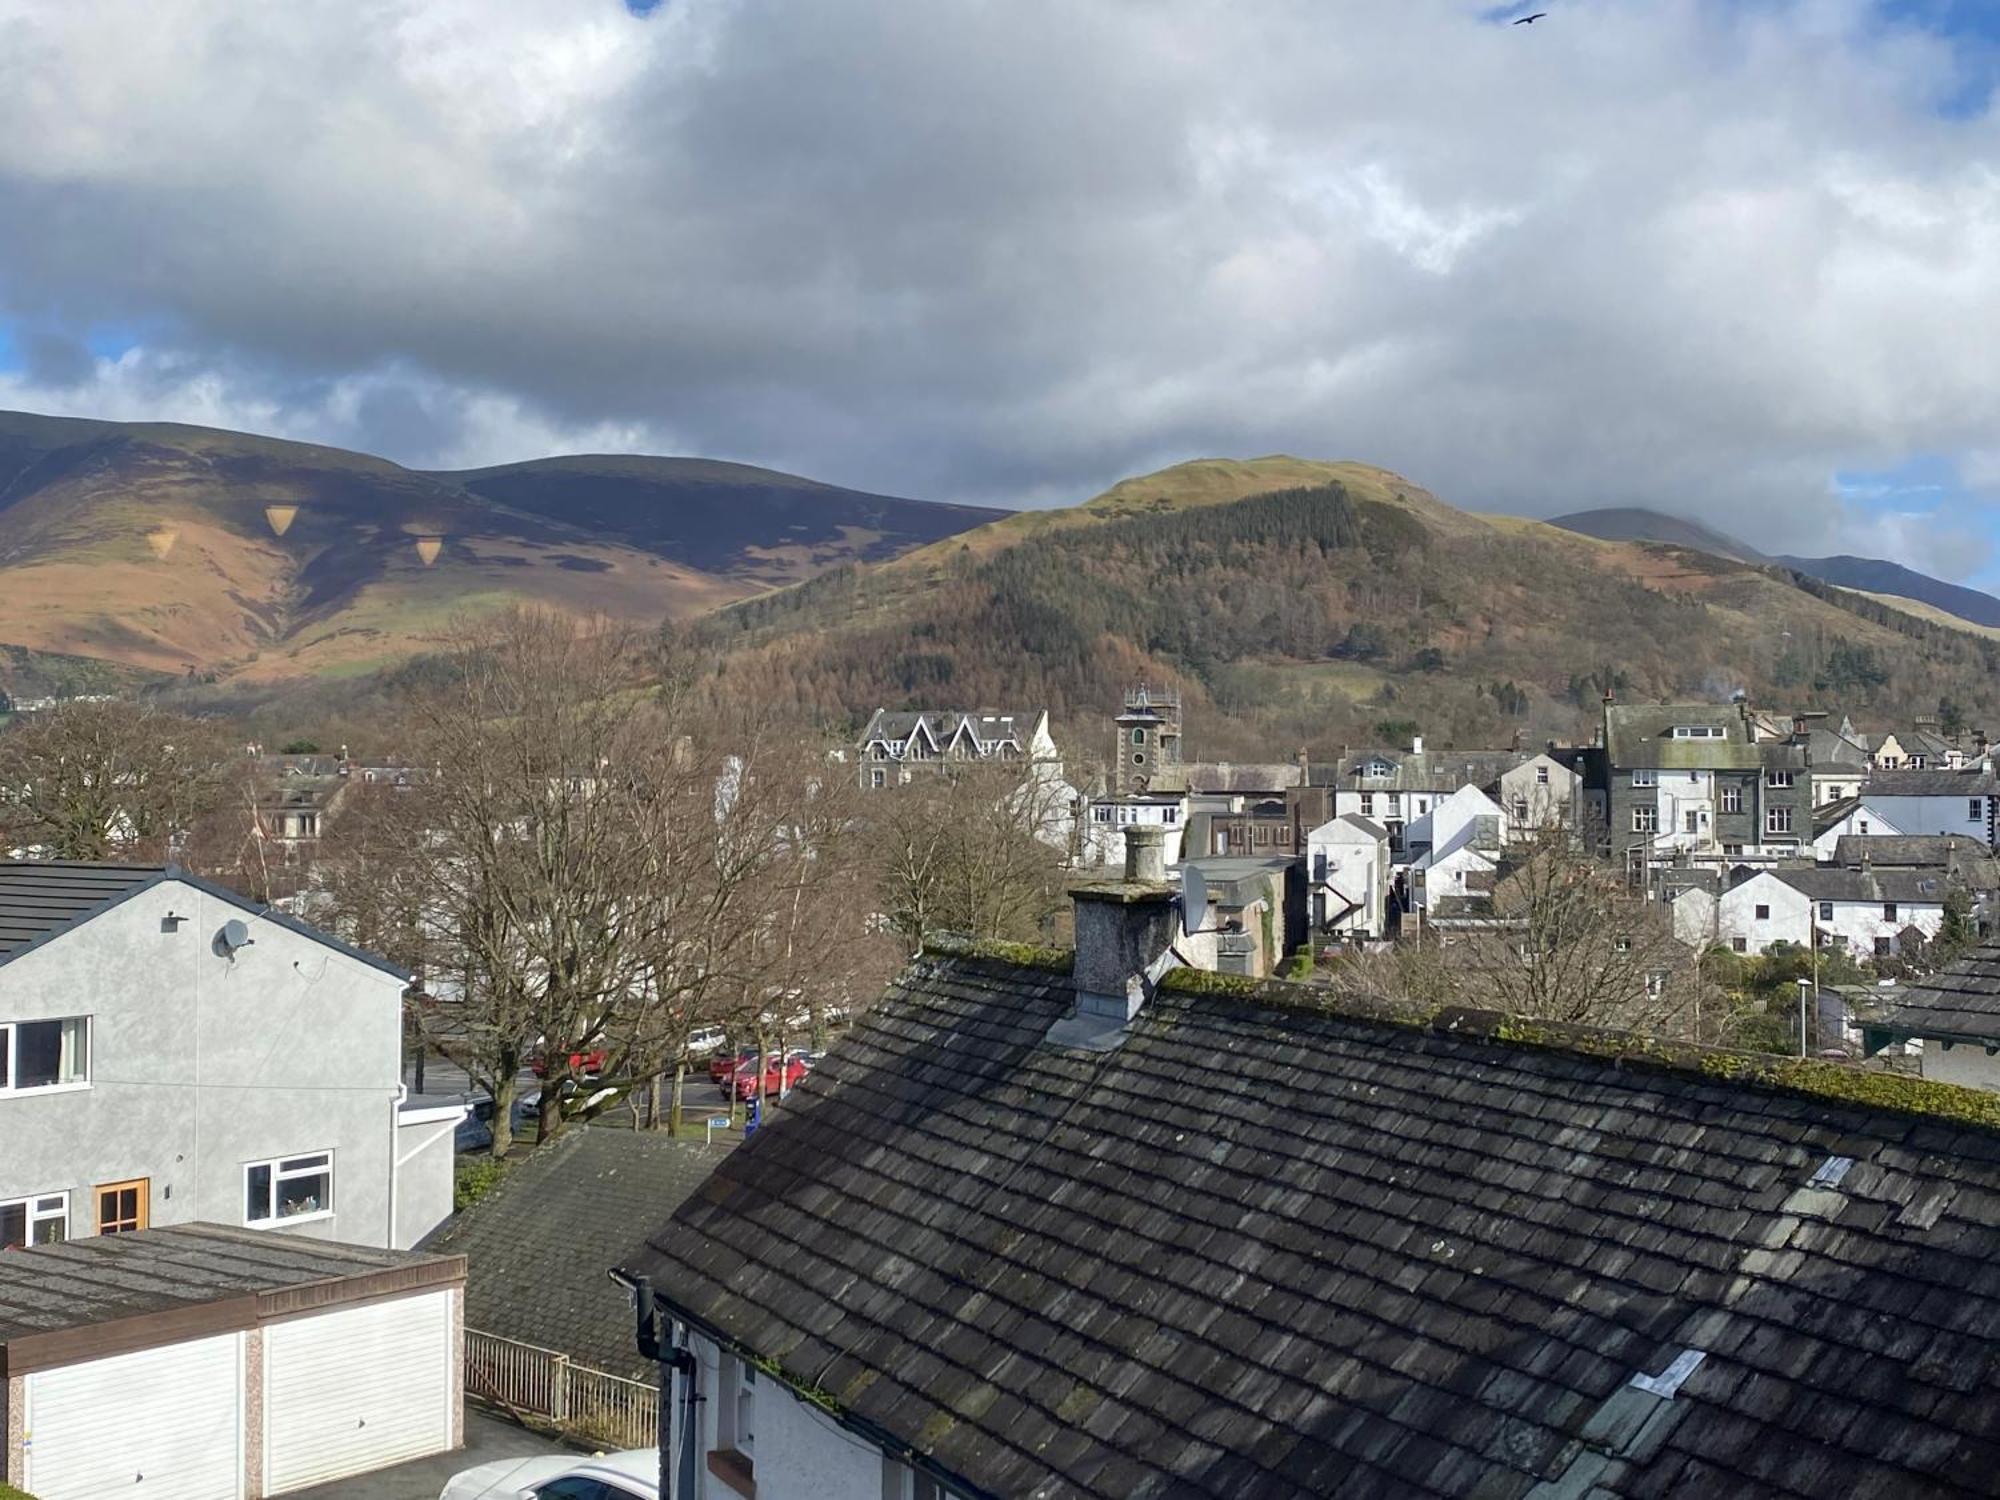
x=161, y=1424
x=349, y=1391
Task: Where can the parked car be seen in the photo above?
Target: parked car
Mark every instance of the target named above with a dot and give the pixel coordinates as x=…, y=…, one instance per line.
x=631, y=1475
x=722, y=1064
x=586, y=1064
x=705, y=1039
x=778, y=1076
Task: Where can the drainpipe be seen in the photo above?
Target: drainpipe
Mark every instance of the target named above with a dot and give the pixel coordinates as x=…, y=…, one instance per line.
x=395, y=1117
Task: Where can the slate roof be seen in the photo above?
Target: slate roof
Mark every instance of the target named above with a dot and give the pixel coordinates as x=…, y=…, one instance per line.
x=1832, y=814
x=1284, y=1243
x=42, y=899
x=1911, y=850
x=1430, y=770
x=1833, y=751
x=1966, y=783
x=1960, y=1000
x=537, y=1245
x=39, y=898
x=943, y=724
x=1834, y=883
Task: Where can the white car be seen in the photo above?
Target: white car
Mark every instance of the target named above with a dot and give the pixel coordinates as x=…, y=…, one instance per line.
x=631, y=1475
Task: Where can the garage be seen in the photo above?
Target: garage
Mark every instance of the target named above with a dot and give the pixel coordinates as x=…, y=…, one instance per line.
x=324, y=1423
x=207, y=1363
x=180, y=1429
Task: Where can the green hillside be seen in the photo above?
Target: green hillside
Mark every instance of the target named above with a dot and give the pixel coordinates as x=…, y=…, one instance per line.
x=1327, y=614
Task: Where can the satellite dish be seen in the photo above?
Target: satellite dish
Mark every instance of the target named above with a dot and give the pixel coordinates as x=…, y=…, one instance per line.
x=235, y=934
x=1194, y=899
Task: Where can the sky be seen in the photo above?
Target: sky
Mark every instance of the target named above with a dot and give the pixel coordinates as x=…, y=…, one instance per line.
x=1735, y=259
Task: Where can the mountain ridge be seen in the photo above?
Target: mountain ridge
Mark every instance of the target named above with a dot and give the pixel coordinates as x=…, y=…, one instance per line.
x=1871, y=575
x=154, y=545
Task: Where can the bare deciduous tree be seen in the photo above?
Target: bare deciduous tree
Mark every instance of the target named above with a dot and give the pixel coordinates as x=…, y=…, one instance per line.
x=969, y=849
x=113, y=780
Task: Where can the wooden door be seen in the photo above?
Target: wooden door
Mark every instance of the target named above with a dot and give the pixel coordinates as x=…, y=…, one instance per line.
x=123, y=1206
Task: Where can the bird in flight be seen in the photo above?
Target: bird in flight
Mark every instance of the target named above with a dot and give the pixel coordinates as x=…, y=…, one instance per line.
x=1530, y=20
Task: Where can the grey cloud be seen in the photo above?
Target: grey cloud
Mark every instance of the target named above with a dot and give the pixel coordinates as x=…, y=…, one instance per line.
x=1696, y=257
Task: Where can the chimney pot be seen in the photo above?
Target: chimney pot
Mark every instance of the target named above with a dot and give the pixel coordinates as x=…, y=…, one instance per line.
x=1145, y=852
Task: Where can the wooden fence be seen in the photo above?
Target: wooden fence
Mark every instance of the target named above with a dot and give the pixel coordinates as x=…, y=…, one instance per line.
x=607, y=1409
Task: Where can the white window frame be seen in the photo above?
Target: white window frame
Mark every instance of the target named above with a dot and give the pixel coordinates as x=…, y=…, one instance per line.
x=36, y=1209
x=10, y=1070
x=282, y=1172
x=1643, y=777
x=1732, y=799
x=1975, y=809
x=1646, y=819
x=1778, y=820
x=1826, y=911
x=1541, y=775
x=1778, y=778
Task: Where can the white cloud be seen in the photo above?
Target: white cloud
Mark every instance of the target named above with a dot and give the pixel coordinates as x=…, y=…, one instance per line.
x=1695, y=256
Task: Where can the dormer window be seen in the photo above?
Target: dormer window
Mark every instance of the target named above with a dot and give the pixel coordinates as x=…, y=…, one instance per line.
x=1698, y=732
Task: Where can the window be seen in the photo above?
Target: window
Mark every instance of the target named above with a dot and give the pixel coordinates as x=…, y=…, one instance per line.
x=1172, y=815
x=1656, y=983
x=576, y=1487
x=1881, y=947
x=1367, y=804
x=1739, y=945
x=1763, y=912
x=1975, y=809
x=1693, y=821
x=1698, y=732
x=44, y=1054
x=1826, y=911
x=1778, y=778
x=122, y=1206
x=290, y=1188
x=1732, y=799
x=1916, y=763
x=1101, y=813
x=1541, y=775
x=1520, y=809
x=1622, y=944
x=1645, y=778
x=1645, y=819
x=878, y=777
x=1138, y=736
x=1778, y=820
x=1888, y=911
x=34, y=1221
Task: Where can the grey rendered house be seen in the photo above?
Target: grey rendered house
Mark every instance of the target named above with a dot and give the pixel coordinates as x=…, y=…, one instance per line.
x=171, y=1053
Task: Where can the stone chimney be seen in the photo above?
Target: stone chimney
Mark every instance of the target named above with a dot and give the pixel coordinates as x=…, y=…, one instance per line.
x=1125, y=929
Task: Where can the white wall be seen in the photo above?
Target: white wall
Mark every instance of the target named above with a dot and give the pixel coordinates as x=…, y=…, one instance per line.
x=1548, y=803
x=1863, y=822
x=1859, y=923
x=1790, y=919
x=1109, y=817
x=1694, y=918
x=1965, y=1063
x=1342, y=857
x=1682, y=794
x=799, y=1450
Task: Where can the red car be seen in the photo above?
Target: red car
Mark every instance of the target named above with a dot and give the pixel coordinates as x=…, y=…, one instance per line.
x=778, y=1077
x=723, y=1065
x=581, y=1064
